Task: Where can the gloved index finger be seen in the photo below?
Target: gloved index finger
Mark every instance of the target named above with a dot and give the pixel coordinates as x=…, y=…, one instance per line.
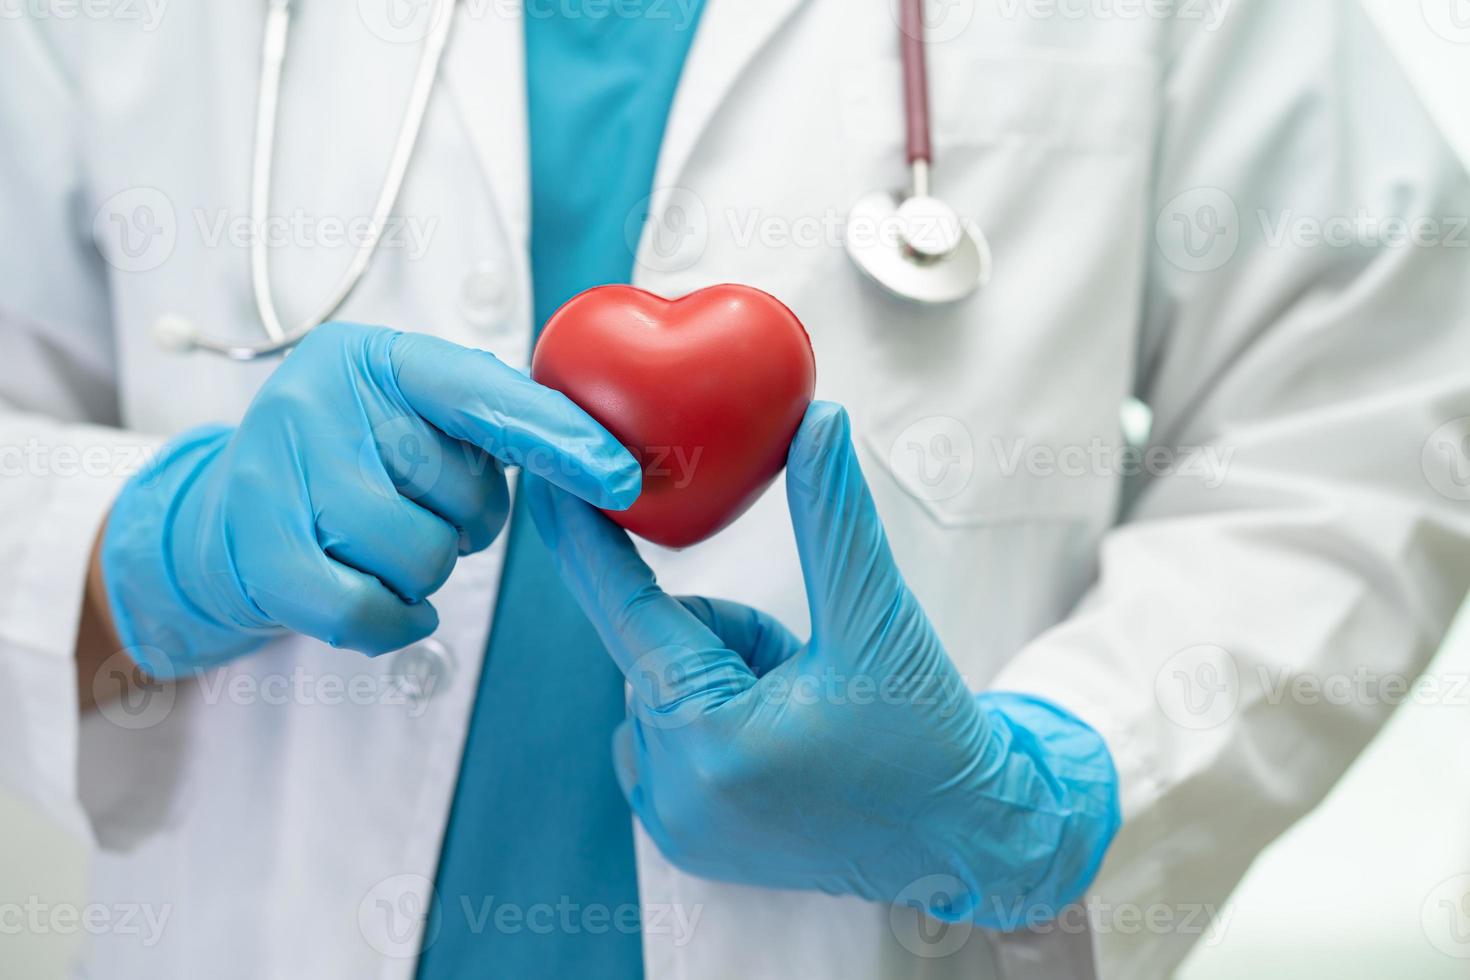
x=474, y=397
x=851, y=578
x=676, y=666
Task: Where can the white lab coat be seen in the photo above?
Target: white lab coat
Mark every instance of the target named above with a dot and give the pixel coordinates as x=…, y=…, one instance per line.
x=287, y=831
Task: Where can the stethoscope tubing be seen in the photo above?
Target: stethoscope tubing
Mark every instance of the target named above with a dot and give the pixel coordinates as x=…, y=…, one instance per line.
x=919, y=151
x=267, y=111
x=914, y=54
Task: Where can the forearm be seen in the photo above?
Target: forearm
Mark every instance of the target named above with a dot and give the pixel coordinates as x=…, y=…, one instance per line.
x=97, y=643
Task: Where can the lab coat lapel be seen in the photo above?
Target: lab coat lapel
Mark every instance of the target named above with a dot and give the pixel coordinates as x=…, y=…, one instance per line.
x=484, y=71
x=731, y=33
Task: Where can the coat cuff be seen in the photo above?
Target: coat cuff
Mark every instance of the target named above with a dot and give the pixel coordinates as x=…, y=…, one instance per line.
x=76, y=473
x=1132, y=884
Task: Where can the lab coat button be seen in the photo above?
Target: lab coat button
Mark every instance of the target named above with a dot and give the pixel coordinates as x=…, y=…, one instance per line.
x=482, y=298
x=422, y=670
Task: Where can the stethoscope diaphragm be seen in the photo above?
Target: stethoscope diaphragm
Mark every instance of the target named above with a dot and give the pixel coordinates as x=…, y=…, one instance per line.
x=913, y=244
x=917, y=247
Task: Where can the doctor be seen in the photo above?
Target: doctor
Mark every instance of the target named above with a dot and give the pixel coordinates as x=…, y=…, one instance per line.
x=893, y=726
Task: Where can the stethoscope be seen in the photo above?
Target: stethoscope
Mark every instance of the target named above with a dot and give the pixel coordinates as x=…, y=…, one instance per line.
x=912, y=244
x=178, y=333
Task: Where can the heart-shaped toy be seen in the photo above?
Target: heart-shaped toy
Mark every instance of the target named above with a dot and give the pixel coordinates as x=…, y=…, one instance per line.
x=707, y=392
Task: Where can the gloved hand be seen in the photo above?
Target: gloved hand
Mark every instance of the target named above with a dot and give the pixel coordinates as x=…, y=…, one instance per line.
x=366, y=465
x=856, y=763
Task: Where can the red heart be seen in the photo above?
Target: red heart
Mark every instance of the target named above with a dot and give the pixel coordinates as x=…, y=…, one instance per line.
x=707, y=391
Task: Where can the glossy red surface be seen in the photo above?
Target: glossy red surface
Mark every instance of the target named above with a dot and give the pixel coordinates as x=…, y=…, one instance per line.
x=707, y=391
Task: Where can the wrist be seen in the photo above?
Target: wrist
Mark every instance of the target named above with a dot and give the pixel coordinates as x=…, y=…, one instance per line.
x=160, y=618
x=1046, y=770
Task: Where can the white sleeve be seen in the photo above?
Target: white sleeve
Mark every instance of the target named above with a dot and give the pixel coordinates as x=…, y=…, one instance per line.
x=62, y=460
x=1327, y=384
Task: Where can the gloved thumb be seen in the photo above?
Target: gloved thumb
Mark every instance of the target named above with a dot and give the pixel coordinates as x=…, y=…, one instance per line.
x=851, y=578
x=760, y=639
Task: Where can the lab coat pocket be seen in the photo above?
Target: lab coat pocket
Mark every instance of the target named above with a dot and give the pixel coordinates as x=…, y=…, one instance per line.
x=986, y=405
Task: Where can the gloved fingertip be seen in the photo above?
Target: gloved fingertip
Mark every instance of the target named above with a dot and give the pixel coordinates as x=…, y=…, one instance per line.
x=398, y=349
x=623, y=483
x=421, y=621
x=386, y=628
x=824, y=428
x=825, y=433
x=831, y=415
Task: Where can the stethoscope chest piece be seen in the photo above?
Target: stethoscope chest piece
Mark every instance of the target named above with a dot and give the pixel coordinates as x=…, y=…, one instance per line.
x=917, y=248
x=914, y=244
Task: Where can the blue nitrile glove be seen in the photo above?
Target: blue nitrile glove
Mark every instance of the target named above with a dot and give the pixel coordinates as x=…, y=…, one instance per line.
x=857, y=763
x=366, y=465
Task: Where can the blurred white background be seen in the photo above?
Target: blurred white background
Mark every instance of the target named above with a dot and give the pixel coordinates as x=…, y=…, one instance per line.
x=1364, y=888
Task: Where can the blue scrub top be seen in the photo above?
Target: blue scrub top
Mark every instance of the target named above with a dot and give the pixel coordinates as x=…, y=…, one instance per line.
x=536, y=877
